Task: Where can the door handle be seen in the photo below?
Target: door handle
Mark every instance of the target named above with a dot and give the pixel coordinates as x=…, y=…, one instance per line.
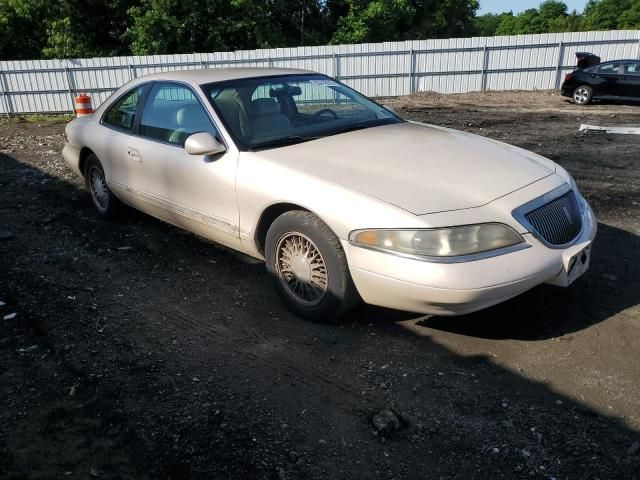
x=133, y=154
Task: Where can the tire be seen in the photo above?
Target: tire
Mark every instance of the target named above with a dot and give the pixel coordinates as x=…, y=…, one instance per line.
x=321, y=289
x=582, y=95
x=104, y=202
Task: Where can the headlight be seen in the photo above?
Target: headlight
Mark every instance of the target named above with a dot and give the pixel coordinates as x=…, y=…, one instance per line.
x=439, y=242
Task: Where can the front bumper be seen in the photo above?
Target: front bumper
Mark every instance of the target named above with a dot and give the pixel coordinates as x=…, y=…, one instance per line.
x=458, y=288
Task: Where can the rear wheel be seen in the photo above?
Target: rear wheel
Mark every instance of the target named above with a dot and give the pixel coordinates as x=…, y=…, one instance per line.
x=103, y=200
x=582, y=95
x=309, y=267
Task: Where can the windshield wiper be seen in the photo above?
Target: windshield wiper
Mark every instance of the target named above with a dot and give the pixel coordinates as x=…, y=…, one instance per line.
x=280, y=142
x=361, y=126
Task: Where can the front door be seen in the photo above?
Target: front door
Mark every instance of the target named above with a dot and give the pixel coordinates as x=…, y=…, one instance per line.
x=630, y=83
x=196, y=192
x=607, y=79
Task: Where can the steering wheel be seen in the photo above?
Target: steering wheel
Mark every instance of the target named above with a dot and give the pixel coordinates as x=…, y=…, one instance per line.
x=319, y=113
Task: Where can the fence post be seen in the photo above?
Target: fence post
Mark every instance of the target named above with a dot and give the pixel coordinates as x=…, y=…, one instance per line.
x=412, y=70
x=485, y=62
x=70, y=88
x=638, y=54
x=269, y=62
x=336, y=66
x=132, y=72
x=559, y=64
x=4, y=94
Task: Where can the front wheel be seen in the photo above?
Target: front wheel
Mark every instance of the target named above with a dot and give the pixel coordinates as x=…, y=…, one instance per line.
x=309, y=267
x=582, y=95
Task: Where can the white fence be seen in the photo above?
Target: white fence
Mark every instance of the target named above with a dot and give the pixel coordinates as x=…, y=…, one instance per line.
x=377, y=69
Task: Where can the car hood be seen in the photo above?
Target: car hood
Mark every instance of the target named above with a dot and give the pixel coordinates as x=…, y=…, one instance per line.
x=420, y=168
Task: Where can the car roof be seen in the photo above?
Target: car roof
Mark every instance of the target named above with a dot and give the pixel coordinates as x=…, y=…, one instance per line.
x=618, y=61
x=209, y=75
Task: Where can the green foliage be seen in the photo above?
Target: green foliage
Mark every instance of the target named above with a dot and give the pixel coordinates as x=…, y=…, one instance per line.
x=81, y=28
x=630, y=18
x=443, y=18
x=374, y=21
x=21, y=32
x=612, y=14
x=550, y=16
x=486, y=25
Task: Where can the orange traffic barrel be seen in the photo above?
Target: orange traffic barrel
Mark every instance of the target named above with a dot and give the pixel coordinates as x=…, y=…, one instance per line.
x=83, y=105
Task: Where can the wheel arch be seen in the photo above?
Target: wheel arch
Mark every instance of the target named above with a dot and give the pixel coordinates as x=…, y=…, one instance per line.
x=84, y=154
x=267, y=218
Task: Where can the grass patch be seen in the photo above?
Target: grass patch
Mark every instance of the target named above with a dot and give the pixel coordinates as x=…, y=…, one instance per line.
x=38, y=118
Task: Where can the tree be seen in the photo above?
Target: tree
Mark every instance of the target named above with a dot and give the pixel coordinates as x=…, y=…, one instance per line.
x=23, y=30
x=551, y=16
x=387, y=20
x=552, y=9
x=374, y=21
x=88, y=28
x=604, y=14
x=486, y=25
x=443, y=18
x=630, y=18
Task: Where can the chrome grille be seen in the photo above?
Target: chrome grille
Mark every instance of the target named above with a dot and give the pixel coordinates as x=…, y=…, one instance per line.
x=559, y=221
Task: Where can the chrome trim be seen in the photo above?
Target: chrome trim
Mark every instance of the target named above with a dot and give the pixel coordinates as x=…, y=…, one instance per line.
x=181, y=210
x=520, y=213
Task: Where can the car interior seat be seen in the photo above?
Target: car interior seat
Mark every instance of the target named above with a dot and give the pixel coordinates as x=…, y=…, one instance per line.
x=266, y=118
x=233, y=111
x=190, y=119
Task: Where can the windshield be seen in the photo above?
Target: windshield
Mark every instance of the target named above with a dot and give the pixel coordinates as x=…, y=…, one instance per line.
x=275, y=111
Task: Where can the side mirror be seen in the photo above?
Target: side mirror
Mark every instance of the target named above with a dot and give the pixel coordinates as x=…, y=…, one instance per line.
x=203, y=144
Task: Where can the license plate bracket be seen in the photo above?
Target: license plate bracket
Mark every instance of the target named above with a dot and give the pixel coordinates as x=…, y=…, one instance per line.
x=575, y=262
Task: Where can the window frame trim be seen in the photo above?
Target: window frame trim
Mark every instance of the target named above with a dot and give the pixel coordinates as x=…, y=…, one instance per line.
x=208, y=86
x=148, y=85
x=219, y=135
x=620, y=70
x=143, y=99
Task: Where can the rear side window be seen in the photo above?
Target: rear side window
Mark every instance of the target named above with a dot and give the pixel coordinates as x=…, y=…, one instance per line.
x=632, y=68
x=172, y=113
x=609, y=68
x=123, y=113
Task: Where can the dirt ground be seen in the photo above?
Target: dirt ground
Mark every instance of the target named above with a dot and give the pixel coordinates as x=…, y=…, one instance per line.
x=138, y=351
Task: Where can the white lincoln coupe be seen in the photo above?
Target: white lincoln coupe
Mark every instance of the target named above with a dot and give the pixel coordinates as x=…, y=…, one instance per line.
x=339, y=196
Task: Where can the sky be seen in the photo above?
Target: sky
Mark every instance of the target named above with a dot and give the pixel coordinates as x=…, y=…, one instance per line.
x=499, y=6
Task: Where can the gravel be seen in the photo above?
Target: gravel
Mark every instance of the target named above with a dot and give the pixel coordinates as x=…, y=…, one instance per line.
x=544, y=386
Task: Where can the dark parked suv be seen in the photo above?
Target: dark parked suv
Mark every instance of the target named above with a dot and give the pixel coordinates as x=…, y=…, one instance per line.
x=615, y=80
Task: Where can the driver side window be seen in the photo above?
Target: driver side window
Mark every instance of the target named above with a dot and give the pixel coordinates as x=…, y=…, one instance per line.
x=172, y=113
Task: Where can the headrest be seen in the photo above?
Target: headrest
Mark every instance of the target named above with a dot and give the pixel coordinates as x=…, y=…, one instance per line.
x=190, y=115
x=265, y=106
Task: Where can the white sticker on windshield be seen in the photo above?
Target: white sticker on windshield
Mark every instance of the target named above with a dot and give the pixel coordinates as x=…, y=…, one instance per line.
x=326, y=83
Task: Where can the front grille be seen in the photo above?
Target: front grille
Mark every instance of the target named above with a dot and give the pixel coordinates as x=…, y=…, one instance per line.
x=559, y=221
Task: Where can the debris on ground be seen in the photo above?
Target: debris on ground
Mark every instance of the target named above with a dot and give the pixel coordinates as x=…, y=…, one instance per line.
x=613, y=130
x=385, y=421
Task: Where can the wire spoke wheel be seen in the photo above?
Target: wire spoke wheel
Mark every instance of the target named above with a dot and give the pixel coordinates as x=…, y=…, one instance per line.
x=301, y=268
x=98, y=187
